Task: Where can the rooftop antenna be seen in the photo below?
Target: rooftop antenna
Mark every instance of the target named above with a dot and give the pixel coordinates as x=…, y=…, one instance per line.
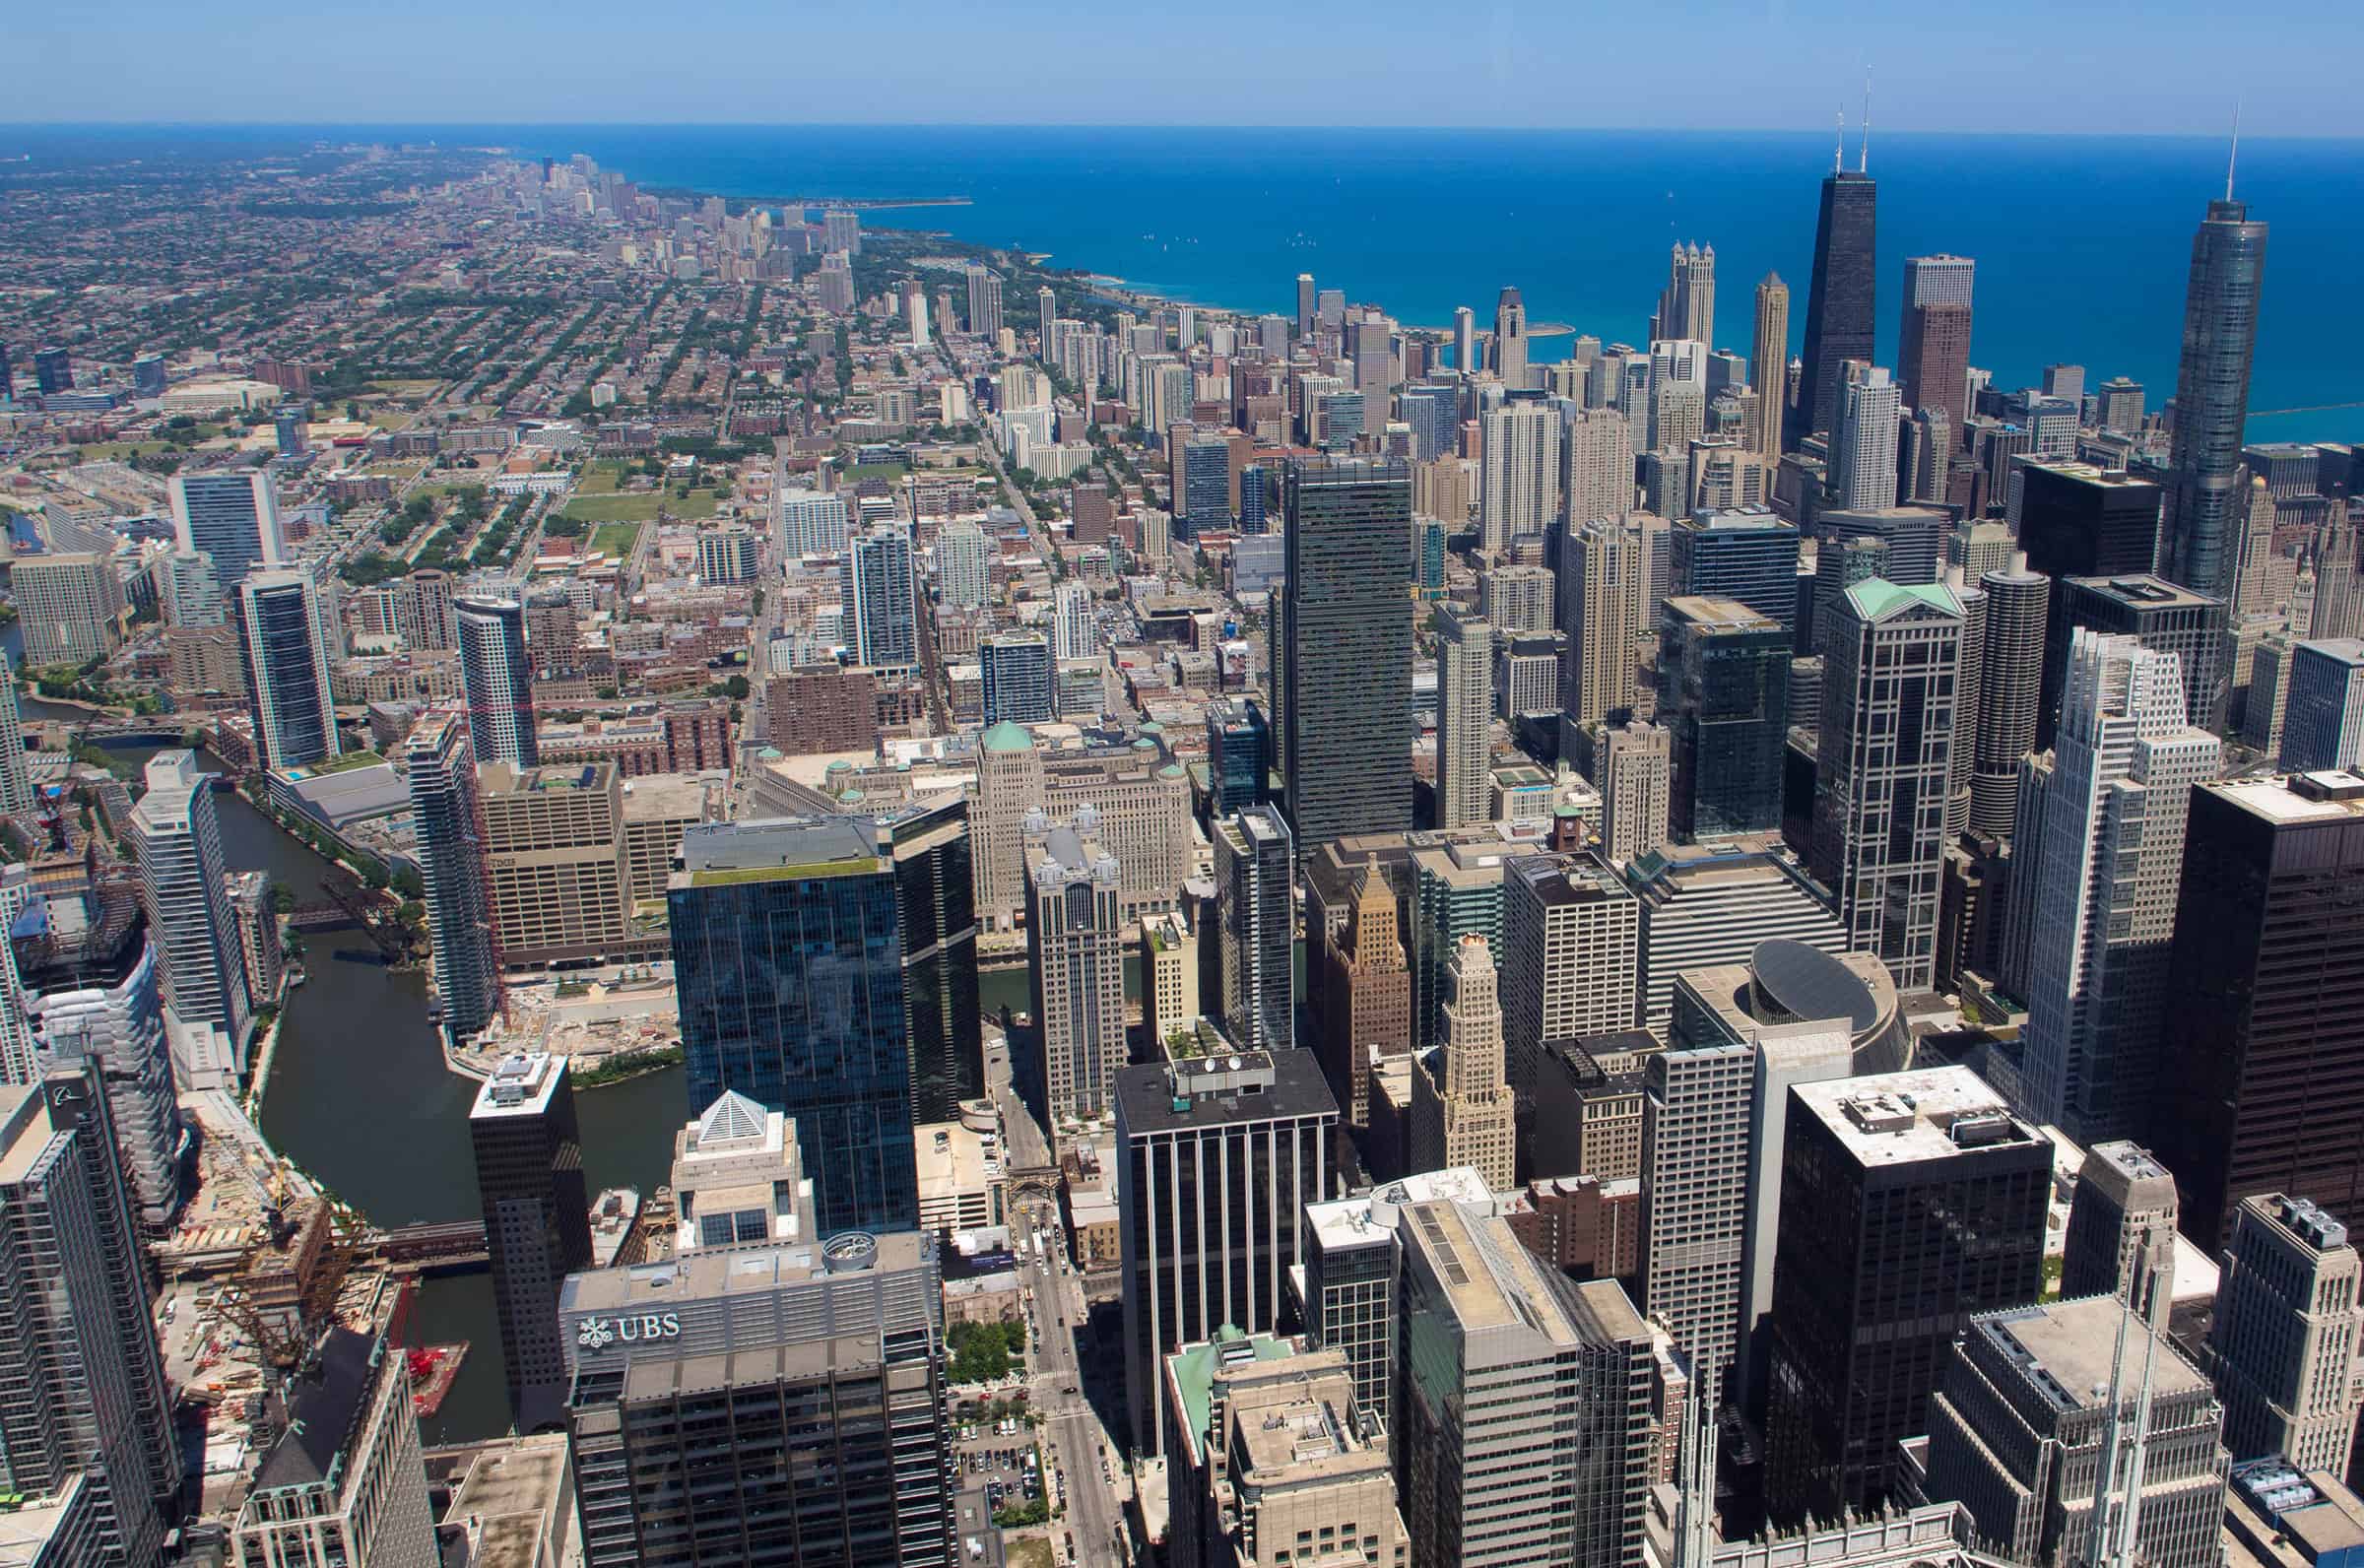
x=1862, y=156
x=1838, y=147
x=2234, y=158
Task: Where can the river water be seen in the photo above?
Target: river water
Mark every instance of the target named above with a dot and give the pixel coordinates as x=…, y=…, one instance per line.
x=359, y=1099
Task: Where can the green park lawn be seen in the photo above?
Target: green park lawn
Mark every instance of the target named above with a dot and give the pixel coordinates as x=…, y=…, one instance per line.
x=615, y=539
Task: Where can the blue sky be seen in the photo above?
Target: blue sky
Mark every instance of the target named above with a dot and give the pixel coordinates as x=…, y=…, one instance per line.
x=2164, y=66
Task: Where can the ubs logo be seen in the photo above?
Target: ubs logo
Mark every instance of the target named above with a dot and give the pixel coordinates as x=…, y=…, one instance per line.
x=597, y=1334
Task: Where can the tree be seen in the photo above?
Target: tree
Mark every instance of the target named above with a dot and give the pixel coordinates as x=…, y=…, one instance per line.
x=736, y=689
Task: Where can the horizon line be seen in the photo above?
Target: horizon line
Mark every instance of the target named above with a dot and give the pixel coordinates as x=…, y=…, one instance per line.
x=1396, y=126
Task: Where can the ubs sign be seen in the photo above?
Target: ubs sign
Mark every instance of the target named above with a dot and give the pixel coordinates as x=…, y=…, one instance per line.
x=597, y=1334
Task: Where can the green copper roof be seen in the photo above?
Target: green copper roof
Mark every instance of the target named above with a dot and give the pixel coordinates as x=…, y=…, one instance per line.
x=1877, y=597
x=1009, y=736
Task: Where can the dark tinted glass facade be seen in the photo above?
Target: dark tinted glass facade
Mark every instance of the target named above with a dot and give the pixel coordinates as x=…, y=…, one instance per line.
x=2262, y=1081
x=1344, y=676
x=793, y=992
x=2192, y=627
x=1838, y=310
x=2086, y=523
x=286, y=674
x=1724, y=696
x=936, y=902
x=2207, y=500
x=1753, y=560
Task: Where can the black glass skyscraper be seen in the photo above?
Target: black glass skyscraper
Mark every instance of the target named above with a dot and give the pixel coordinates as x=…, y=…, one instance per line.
x=1724, y=696
x=1838, y=309
x=936, y=903
x=2207, y=500
x=788, y=953
x=1343, y=676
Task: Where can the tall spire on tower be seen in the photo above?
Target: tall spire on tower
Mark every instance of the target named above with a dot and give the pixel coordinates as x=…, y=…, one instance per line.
x=2234, y=156
x=1862, y=156
x=1838, y=147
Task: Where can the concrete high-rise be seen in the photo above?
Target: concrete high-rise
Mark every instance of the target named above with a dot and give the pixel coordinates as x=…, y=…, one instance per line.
x=1603, y=580
x=1703, y=906
x=1863, y=441
x=1510, y=340
x=16, y=780
x=287, y=669
x=232, y=515
x=1465, y=340
x=2121, y=1237
x=1461, y=1100
x=1570, y=958
x=1933, y=344
x=1884, y=761
x=1770, y=367
x=984, y=301
x=1256, y=907
x=1910, y=1203
x=1342, y=650
x=1217, y=1156
x=2037, y=1402
x=2206, y=498
x=1518, y=470
x=1695, y=1184
x=2010, y=690
x=1465, y=703
x=1635, y=767
x=2323, y=716
x=529, y=1179
x=86, y=1391
x=2193, y=626
x=876, y=590
x=497, y=678
x=1364, y=987
x=1501, y=1353
x=2098, y=849
x=1686, y=306
x=189, y=919
x=1596, y=448
x=1724, y=699
x=1840, y=299
x=1076, y=973
x=2283, y=1343
x=451, y=868
x=2265, y=985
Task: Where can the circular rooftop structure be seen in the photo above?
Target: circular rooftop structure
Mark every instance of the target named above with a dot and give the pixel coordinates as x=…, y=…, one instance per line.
x=1793, y=981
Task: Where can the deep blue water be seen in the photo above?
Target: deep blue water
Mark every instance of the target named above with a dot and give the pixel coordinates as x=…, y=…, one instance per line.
x=2083, y=242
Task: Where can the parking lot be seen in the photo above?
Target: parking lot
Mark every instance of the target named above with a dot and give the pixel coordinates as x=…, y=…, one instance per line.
x=1007, y=1465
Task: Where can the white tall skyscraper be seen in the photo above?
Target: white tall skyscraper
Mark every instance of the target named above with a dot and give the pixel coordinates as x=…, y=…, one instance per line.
x=1863, y=448
x=812, y=523
x=1518, y=471
x=1465, y=340
x=1465, y=697
x=497, y=680
x=1073, y=632
x=2099, y=841
x=189, y=920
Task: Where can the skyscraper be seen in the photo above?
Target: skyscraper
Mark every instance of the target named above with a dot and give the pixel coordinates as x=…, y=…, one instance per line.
x=232, y=515
x=2099, y=850
x=2283, y=1343
x=984, y=300
x=2205, y=496
x=1344, y=663
x=1510, y=340
x=1883, y=766
x=1910, y=1202
x=1932, y=345
x=15, y=781
x=529, y=1178
x=831, y=1389
x=878, y=594
x=1305, y=299
x=1863, y=441
x=451, y=868
x=2265, y=985
x=1724, y=697
x=1464, y=701
x=1603, y=581
x=1636, y=767
x=287, y=669
x=1771, y=365
x=2323, y=718
x=1019, y=678
x=2121, y=1237
x=1839, y=301
x=87, y=1390
x=1256, y=905
x=2010, y=689
x=189, y=920
x=1500, y=1355
x=1746, y=554
x=786, y=942
x=932, y=856
x=497, y=680
x=1075, y=970
x=2193, y=626
x=1686, y=306
x=1570, y=955
x=1364, y=994
x=1461, y=1100
x=1216, y=1159
x=1518, y=470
